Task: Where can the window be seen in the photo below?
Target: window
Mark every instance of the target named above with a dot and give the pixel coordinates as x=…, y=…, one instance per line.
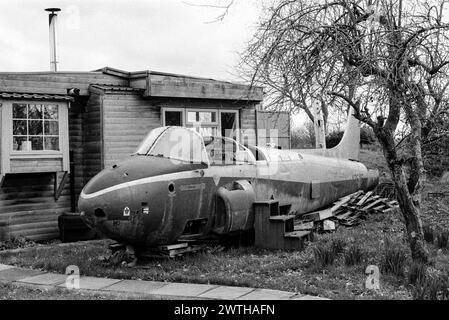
x=35, y=127
x=206, y=122
x=173, y=118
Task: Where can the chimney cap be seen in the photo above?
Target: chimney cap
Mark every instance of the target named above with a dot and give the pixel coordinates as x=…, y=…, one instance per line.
x=53, y=10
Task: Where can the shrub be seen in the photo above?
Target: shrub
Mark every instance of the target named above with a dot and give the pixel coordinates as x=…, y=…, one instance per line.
x=442, y=239
x=324, y=255
x=394, y=259
x=354, y=255
x=429, y=234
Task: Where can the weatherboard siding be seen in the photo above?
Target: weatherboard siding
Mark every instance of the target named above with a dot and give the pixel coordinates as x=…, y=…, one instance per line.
x=92, y=137
x=28, y=207
x=127, y=119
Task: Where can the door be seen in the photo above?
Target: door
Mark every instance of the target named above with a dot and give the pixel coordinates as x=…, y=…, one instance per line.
x=229, y=124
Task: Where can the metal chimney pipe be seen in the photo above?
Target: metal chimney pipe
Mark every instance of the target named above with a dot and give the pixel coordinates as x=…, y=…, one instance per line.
x=52, y=17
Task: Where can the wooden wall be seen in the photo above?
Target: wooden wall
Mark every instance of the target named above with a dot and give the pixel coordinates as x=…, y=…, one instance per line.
x=127, y=118
x=92, y=137
x=28, y=207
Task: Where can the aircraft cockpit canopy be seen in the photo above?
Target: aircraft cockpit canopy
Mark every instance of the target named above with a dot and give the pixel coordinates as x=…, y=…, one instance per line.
x=185, y=144
x=176, y=143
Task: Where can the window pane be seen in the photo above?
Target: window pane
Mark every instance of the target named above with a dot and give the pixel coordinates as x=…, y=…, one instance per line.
x=35, y=111
x=36, y=143
x=51, y=143
x=51, y=112
x=173, y=118
x=19, y=127
x=206, y=116
x=18, y=143
x=51, y=128
x=191, y=116
x=35, y=127
x=19, y=111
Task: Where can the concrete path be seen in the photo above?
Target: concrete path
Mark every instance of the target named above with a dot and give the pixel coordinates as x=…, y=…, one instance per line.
x=151, y=289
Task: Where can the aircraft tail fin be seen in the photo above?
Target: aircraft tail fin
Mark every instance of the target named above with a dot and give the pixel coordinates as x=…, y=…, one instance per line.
x=349, y=146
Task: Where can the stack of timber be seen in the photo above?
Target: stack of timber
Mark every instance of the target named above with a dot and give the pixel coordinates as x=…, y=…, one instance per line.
x=347, y=211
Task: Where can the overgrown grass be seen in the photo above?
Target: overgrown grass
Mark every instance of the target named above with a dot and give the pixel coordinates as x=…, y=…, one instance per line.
x=394, y=259
x=354, y=255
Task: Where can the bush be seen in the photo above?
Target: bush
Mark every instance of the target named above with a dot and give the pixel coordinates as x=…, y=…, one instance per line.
x=442, y=239
x=324, y=255
x=429, y=235
x=394, y=259
x=354, y=255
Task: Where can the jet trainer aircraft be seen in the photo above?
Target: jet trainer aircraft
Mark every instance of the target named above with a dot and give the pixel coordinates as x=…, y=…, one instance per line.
x=181, y=185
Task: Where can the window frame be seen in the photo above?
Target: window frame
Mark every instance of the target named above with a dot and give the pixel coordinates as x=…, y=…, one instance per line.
x=15, y=153
x=216, y=124
x=7, y=153
x=182, y=110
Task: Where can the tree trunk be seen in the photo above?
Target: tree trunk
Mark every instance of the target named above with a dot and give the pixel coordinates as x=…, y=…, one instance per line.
x=410, y=211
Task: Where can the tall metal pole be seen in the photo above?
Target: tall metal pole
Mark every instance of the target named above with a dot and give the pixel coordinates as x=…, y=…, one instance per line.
x=52, y=18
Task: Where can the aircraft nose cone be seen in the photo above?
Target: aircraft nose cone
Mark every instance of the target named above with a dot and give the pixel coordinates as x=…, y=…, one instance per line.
x=103, y=180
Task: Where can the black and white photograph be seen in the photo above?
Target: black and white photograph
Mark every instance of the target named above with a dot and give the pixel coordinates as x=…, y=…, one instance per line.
x=224, y=158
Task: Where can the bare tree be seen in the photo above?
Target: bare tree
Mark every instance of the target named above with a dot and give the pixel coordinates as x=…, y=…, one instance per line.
x=388, y=59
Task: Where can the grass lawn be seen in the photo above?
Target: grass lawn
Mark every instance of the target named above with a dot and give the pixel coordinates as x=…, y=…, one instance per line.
x=249, y=266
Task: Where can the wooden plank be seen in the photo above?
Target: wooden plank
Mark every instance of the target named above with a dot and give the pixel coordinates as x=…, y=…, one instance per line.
x=58, y=191
x=366, y=196
x=373, y=204
x=304, y=226
x=174, y=246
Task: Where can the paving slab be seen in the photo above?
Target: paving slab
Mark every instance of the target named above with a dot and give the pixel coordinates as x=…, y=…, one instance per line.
x=136, y=286
x=307, y=297
x=183, y=289
x=267, y=294
x=15, y=274
x=93, y=283
x=225, y=292
x=46, y=279
x=5, y=266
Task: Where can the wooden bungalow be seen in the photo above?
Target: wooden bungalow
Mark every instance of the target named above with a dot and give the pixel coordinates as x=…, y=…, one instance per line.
x=58, y=129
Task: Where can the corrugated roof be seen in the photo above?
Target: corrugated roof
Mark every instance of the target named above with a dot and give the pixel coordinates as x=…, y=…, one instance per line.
x=35, y=96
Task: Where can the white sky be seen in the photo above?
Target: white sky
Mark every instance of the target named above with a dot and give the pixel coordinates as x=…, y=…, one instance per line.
x=160, y=35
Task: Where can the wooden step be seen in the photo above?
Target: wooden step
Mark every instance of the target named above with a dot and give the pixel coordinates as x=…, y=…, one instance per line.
x=282, y=217
x=297, y=234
